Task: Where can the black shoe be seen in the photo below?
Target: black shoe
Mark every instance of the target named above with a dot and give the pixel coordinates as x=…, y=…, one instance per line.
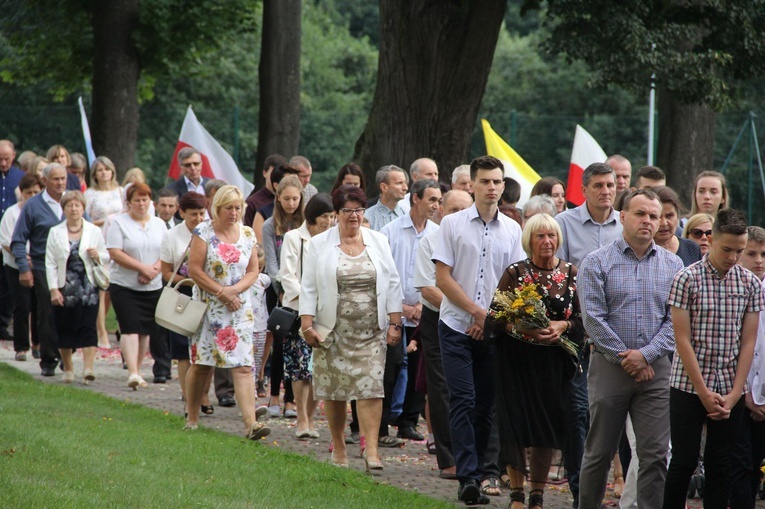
x=410, y=434
x=470, y=493
x=160, y=379
x=227, y=401
x=48, y=371
x=36, y=352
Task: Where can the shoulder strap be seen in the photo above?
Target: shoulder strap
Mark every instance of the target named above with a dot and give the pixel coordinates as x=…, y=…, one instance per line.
x=180, y=262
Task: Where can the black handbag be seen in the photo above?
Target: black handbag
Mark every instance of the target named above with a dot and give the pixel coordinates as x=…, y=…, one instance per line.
x=283, y=321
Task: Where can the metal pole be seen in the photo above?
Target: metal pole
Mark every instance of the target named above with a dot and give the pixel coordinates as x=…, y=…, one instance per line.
x=651, y=126
x=236, y=135
x=750, y=167
x=735, y=145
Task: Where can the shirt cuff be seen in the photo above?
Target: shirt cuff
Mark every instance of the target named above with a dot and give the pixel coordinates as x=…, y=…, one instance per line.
x=650, y=353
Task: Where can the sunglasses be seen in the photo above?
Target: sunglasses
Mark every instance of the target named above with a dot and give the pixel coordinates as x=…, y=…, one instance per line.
x=697, y=234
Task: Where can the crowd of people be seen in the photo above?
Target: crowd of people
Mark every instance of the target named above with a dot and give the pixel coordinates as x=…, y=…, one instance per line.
x=618, y=335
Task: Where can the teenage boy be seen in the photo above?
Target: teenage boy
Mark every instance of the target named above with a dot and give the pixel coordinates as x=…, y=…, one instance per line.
x=715, y=312
x=750, y=445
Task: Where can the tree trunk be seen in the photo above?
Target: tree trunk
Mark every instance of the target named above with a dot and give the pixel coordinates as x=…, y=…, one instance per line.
x=279, y=78
x=116, y=71
x=686, y=142
x=435, y=58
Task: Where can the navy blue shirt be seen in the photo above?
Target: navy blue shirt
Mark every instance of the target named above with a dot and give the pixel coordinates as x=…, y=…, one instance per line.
x=8, y=183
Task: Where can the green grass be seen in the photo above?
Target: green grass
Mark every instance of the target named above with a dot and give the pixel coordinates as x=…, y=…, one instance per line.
x=66, y=448
x=111, y=320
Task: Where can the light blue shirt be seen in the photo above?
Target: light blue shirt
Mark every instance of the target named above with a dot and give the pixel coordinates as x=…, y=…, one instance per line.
x=379, y=215
x=404, y=241
x=583, y=235
x=478, y=254
x=624, y=300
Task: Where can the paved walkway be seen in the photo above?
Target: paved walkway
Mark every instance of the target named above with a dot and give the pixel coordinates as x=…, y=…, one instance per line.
x=409, y=468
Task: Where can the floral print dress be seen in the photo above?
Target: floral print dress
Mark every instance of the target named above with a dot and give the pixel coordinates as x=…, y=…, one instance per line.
x=225, y=338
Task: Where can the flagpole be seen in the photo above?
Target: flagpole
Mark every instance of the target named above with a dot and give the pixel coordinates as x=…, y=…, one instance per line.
x=651, y=115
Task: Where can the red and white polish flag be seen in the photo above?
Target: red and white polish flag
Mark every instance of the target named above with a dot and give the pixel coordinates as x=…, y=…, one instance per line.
x=216, y=162
x=586, y=151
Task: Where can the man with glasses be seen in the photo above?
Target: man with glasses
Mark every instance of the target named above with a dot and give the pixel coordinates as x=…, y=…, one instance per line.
x=190, y=161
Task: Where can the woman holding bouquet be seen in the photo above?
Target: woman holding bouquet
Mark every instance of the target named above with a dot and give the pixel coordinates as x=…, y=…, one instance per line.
x=538, y=332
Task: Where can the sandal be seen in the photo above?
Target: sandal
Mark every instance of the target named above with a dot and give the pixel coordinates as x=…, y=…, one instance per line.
x=536, y=499
x=504, y=480
x=618, y=486
x=517, y=496
x=490, y=487
x=431, y=446
x=207, y=409
x=261, y=388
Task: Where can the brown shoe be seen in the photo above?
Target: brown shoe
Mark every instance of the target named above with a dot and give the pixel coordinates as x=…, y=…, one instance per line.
x=257, y=431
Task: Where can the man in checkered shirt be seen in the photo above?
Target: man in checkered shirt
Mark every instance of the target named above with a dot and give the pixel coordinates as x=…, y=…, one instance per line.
x=715, y=312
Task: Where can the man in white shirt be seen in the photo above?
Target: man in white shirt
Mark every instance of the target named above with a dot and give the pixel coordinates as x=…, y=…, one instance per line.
x=430, y=297
x=421, y=169
x=474, y=248
x=461, y=179
x=167, y=207
x=404, y=236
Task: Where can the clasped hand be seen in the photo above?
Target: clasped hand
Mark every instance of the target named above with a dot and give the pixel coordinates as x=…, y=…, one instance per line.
x=548, y=335
x=718, y=406
x=148, y=272
x=230, y=298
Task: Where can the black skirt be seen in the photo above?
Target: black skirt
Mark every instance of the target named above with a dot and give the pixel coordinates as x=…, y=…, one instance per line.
x=135, y=310
x=76, y=326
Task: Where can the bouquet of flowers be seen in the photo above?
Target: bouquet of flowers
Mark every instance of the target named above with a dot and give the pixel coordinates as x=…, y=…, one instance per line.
x=523, y=309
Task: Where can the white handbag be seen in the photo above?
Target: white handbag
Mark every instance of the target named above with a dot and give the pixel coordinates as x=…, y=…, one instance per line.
x=176, y=311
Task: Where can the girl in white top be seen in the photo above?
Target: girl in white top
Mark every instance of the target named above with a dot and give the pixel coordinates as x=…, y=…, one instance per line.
x=260, y=349
x=104, y=198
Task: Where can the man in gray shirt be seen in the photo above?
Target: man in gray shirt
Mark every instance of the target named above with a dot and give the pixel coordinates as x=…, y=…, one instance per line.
x=392, y=182
x=586, y=228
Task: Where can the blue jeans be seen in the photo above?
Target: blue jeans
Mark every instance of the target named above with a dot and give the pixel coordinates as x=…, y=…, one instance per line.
x=470, y=378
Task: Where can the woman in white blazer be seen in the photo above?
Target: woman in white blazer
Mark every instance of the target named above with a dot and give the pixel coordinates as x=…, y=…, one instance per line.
x=73, y=248
x=350, y=307
x=319, y=216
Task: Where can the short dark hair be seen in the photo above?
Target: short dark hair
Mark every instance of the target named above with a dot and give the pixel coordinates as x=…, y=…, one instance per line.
x=166, y=193
x=280, y=171
x=668, y=195
x=485, y=163
x=648, y=193
x=274, y=160
x=213, y=185
x=419, y=186
x=596, y=169
x=756, y=234
x=730, y=221
x=512, y=192
x=344, y=194
x=30, y=180
x=317, y=206
x=651, y=173
x=192, y=201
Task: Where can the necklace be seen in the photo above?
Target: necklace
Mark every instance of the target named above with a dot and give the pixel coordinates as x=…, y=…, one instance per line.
x=350, y=247
x=74, y=231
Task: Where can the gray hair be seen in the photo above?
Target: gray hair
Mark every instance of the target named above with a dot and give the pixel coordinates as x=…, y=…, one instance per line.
x=213, y=185
x=383, y=174
x=414, y=169
x=300, y=161
x=463, y=169
x=186, y=152
x=540, y=204
x=52, y=166
x=596, y=169
x=419, y=186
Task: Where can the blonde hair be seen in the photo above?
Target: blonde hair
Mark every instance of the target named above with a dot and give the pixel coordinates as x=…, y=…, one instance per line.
x=696, y=220
x=133, y=175
x=714, y=174
x=282, y=222
x=226, y=195
x=539, y=222
x=53, y=152
x=112, y=184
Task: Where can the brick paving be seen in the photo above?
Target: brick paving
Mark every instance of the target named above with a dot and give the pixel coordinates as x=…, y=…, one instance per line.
x=410, y=468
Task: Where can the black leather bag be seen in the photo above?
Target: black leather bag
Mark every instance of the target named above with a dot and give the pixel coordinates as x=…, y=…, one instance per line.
x=283, y=321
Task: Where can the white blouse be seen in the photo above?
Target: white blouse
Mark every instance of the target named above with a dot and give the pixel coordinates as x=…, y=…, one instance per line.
x=140, y=243
x=101, y=204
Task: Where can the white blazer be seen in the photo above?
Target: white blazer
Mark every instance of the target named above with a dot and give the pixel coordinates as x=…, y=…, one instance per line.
x=318, y=292
x=294, y=250
x=57, y=252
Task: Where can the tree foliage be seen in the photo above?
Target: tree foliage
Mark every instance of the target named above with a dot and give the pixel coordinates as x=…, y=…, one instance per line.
x=694, y=48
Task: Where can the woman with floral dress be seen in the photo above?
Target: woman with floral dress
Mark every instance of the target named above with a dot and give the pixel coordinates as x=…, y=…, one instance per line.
x=223, y=263
x=533, y=370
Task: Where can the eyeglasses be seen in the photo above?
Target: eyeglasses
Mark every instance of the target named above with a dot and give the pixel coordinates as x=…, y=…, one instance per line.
x=190, y=165
x=348, y=212
x=697, y=233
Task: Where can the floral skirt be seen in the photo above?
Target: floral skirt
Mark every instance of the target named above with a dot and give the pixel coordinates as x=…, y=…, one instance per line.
x=297, y=358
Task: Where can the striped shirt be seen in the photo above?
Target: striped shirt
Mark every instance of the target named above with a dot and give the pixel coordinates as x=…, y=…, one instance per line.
x=717, y=307
x=624, y=300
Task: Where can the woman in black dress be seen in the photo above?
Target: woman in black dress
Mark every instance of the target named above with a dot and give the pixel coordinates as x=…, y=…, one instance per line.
x=533, y=370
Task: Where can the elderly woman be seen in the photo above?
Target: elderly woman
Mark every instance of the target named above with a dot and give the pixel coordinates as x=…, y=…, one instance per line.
x=73, y=248
x=350, y=307
x=553, y=188
x=193, y=207
x=134, y=240
x=533, y=371
x=686, y=249
x=319, y=217
x=223, y=263
x=699, y=230
x=539, y=204
x=104, y=199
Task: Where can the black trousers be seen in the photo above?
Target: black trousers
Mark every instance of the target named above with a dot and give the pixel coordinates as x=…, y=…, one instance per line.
x=24, y=303
x=49, y=355
x=414, y=401
x=6, y=300
x=748, y=454
x=394, y=360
